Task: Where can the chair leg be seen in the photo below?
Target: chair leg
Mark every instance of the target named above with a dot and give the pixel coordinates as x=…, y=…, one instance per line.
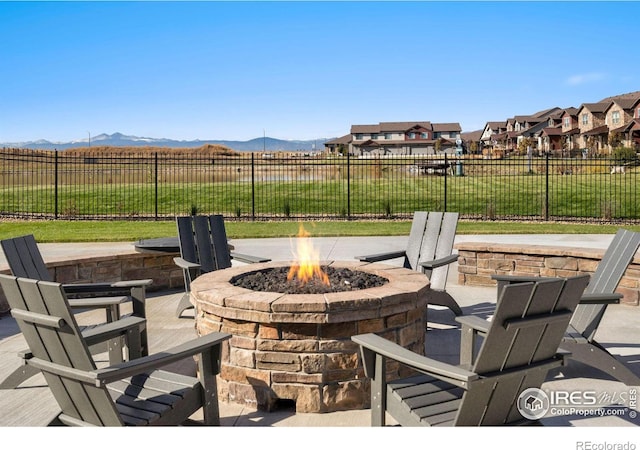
x=596, y=356
x=208, y=368
x=18, y=376
x=139, y=298
x=442, y=298
x=184, y=304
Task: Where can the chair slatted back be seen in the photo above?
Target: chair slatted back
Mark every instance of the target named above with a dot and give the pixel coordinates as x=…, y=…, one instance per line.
x=418, y=224
x=437, y=242
x=525, y=333
x=24, y=258
x=204, y=247
x=203, y=240
x=605, y=280
x=42, y=312
x=219, y=241
x=186, y=239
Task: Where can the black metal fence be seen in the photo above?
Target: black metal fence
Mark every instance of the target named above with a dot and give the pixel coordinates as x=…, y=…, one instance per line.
x=253, y=186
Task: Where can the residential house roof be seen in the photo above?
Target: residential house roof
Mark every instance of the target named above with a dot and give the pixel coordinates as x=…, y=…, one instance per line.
x=471, y=136
x=572, y=111
x=598, y=130
x=632, y=95
x=633, y=124
x=547, y=112
x=538, y=127
x=403, y=126
x=383, y=127
x=447, y=127
x=595, y=107
x=552, y=131
x=365, y=129
x=341, y=140
x=530, y=119
x=627, y=103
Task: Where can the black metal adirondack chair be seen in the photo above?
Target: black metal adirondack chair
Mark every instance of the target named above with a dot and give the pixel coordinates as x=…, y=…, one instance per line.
x=429, y=250
x=136, y=392
x=25, y=260
x=579, y=338
x=519, y=347
x=204, y=248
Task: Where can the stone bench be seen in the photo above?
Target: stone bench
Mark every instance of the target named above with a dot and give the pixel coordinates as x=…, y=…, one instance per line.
x=479, y=260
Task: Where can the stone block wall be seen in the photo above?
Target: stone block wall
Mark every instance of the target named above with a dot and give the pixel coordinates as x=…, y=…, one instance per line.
x=478, y=261
x=314, y=365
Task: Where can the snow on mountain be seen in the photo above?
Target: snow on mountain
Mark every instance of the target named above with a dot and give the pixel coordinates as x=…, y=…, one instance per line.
x=121, y=140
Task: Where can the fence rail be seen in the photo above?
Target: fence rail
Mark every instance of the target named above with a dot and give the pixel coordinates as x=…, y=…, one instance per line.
x=66, y=185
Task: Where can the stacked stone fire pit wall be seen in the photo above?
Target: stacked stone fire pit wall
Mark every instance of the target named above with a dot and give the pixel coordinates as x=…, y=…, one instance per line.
x=479, y=260
x=298, y=347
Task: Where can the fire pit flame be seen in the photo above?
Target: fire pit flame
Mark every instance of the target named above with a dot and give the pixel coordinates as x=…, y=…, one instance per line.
x=307, y=264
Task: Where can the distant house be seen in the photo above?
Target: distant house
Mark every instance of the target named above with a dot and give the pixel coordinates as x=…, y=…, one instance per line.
x=490, y=131
x=508, y=135
x=403, y=138
x=551, y=140
x=620, y=117
x=594, y=131
x=598, y=126
x=472, y=141
x=630, y=133
x=338, y=146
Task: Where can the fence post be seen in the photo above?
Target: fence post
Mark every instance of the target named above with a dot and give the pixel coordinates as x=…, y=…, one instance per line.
x=55, y=185
x=253, y=187
x=155, y=168
x=446, y=165
x=348, y=185
x=546, y=190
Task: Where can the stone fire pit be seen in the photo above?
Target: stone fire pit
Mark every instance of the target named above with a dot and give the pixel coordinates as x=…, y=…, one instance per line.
x=297, y=347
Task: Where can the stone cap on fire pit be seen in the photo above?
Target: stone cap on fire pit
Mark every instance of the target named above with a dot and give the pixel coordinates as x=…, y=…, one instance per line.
x=215, y=294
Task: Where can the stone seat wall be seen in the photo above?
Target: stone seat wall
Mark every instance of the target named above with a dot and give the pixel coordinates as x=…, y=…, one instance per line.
x=479, y=260
x=108, y=268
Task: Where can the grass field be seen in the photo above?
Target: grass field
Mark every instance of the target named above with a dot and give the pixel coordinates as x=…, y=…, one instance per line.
x=105, y=186
x=127, y=231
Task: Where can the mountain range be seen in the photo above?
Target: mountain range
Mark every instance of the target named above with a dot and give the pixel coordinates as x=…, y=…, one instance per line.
x=121, y=140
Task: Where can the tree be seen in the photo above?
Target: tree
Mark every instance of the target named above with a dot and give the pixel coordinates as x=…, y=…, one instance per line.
x=614, y=139
x=523, y=145
x=438, y=145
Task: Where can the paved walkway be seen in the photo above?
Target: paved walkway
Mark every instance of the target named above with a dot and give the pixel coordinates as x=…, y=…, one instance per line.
x=619, y=332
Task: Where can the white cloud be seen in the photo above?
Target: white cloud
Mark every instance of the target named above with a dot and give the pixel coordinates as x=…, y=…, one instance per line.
x=584, y=78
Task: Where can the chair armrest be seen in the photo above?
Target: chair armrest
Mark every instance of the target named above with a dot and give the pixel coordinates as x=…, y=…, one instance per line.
x=92, y=288
x=113, y=329
x=601, y=299
x=184, y=264
x=97, y=302
x=104, y=332
x=474, y=322
x=248, y=258
x=382, y=256
x=136, y=366
x=440, y=261
x=438, y=369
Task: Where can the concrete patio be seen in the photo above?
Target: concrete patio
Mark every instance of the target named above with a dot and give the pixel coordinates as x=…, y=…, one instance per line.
x=618, y=331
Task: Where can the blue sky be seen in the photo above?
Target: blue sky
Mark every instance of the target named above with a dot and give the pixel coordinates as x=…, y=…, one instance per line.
x=301, y=70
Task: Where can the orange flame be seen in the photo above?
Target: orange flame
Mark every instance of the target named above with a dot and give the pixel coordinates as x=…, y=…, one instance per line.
x=307, y=264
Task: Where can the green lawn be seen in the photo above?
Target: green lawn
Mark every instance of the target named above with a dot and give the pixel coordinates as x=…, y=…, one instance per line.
x=112, y=231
